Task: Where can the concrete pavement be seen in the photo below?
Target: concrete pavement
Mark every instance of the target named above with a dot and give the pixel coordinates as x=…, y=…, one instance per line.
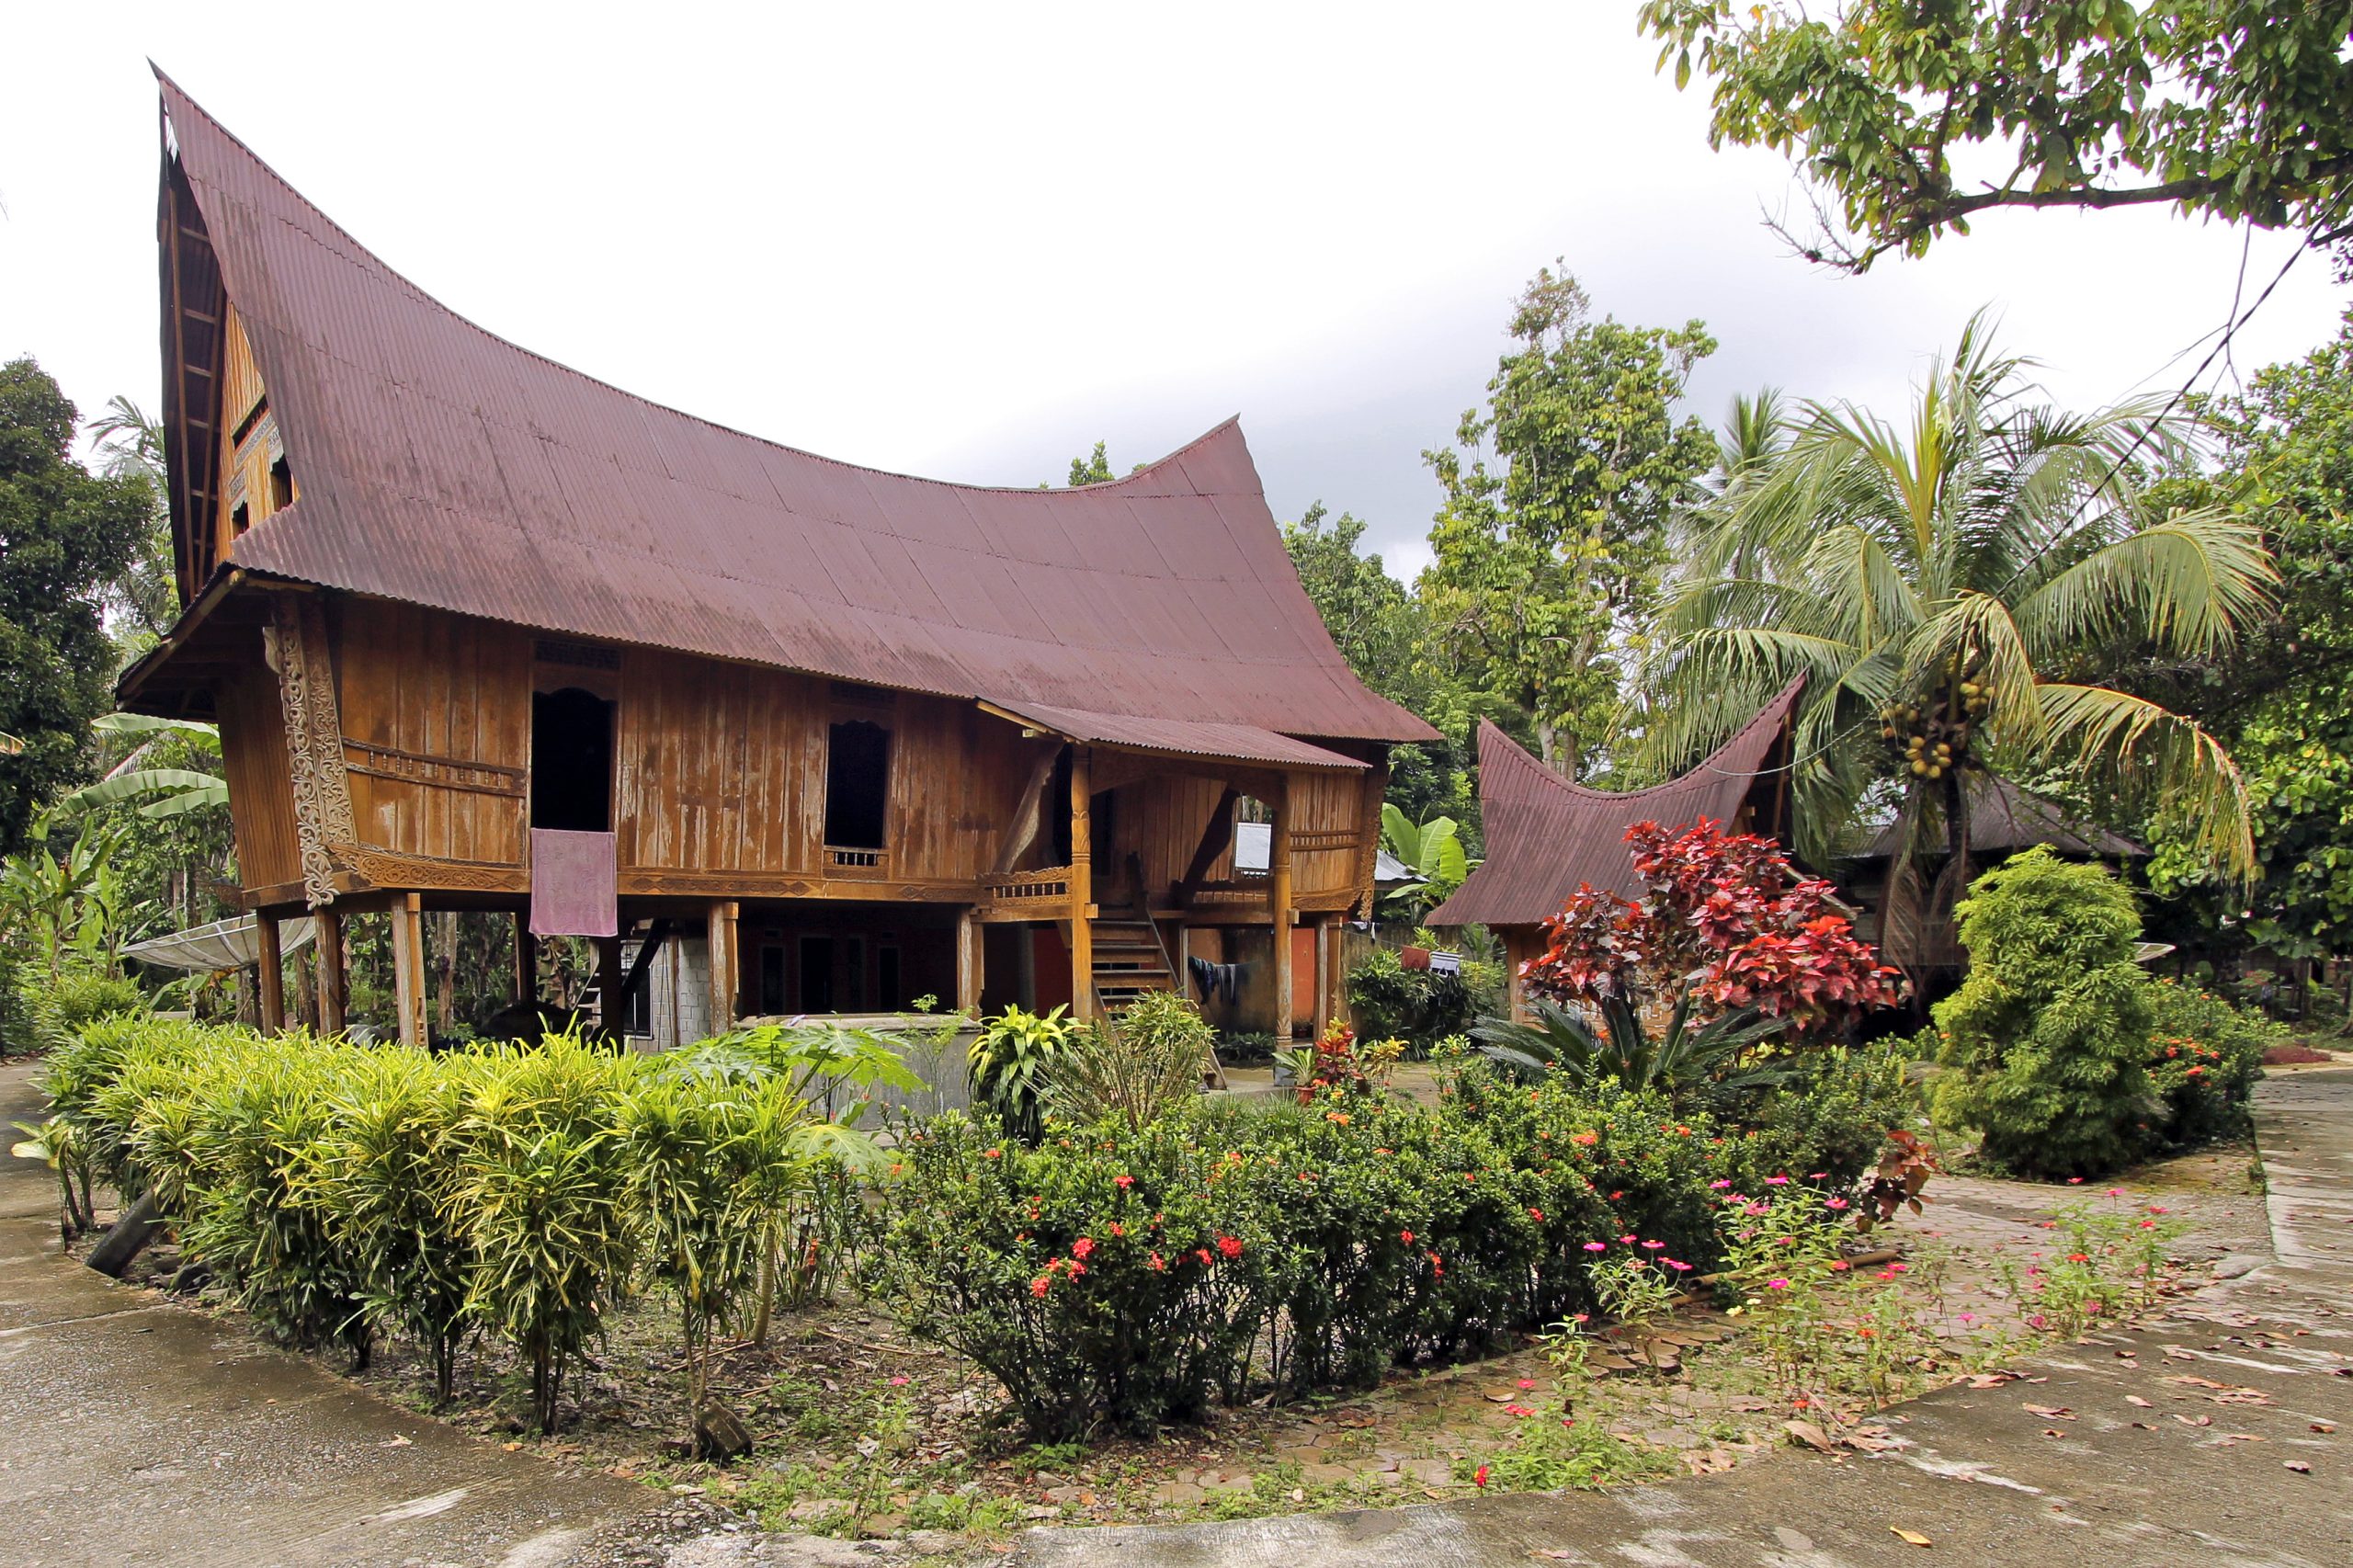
x=134, y=1432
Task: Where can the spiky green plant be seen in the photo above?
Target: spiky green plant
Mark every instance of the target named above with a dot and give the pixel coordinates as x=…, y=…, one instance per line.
x=1141, y=1066
x=1011, y=1062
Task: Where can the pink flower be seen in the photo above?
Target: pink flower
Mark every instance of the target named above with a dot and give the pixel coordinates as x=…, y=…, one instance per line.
x=1721, y=1183
x=2074, y=1181
x=1837, y=1203
x=1628, y=1240
x=1597, y=1246
x=1678, y=1267
x=1527, y=1382
x=1776, y=1181
x=1777, y=1284
x=1655, y=1246
x=898, y=1382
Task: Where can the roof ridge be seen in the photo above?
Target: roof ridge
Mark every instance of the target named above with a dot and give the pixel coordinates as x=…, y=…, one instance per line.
x=173, y=90
x=1770, y=713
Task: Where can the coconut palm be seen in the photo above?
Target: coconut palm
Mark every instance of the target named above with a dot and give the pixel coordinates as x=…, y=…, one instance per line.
x=1953, y=591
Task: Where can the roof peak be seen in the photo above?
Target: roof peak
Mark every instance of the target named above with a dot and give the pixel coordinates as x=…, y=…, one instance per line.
x=173, y=91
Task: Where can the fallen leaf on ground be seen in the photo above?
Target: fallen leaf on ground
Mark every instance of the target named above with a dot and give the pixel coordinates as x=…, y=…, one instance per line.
x=394, y=1443
x=1811, y=1435
x=2323, y=1427
x=2299, y=1466
x=2134, y=1398
x=2195, y=1420
x=1910, y=1538
x=2051, y=1412
x=2053, y=1432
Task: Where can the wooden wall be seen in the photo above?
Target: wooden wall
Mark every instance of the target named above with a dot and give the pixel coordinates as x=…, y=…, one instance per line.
x=1326, y=803
x=430, y=690
x=1161, y=821
x=261, y=787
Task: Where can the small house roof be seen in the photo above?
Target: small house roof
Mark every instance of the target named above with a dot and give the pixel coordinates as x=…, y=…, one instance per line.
x=1546, y=837
x=2004, y=819
x=439, y=465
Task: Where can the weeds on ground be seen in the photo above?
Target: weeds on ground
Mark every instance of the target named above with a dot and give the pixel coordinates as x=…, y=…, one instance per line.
x=2104, y=1260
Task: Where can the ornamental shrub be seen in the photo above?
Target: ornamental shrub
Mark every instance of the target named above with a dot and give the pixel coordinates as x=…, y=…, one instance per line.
x=59, y=1008
x=2204, y=1056
x=2050, y=1031
x=1124, y=1276
x=1420, y=1007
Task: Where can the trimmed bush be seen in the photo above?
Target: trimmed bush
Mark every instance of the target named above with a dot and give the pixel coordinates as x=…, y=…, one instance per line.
x=1420, y=1007
x=2204, y=1057
x=2050, y=1031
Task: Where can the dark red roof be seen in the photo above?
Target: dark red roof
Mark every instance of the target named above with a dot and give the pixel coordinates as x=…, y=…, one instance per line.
x=2004, y=819
x=443, y=466
x=1546, y=836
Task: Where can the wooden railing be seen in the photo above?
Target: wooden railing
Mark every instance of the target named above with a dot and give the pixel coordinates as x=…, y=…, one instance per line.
x=1308, y=840
x=855, y=862
x=1044, y=891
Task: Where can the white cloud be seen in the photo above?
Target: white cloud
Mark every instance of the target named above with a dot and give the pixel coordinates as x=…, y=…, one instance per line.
x=971, y=241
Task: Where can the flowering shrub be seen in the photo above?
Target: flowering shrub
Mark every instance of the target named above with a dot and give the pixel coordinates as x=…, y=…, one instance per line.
x=1724, y=921
x=2204, y=1056
x=1134, y=1278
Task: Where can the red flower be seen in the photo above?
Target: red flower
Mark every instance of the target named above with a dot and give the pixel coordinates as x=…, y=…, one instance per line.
x=1083, y=1248
x=1537, y=1215
x=994, y=1154
x=1117, y=1229
x=1479, y=1476
x=1156, y=1262
x=1123, y=1182
x=1040, y=1285
x=1406, y=1237
x=1203, y=1253
x=1230, y=1246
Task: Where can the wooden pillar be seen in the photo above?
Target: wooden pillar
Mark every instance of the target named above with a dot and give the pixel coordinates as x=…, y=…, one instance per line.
x=1279, y=898
x=270, y=957
x=1324, y=960
x=1337, y=1003
x=527, y=960
x=408, y=966
x=722, y=928
x=335, y=984
x=1515, y=952
x=971, y=957
x=611, y=981
x=1082, y=882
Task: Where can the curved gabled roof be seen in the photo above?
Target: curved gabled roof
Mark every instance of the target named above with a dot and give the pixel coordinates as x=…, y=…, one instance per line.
x=443, y=466
x=1546, y=837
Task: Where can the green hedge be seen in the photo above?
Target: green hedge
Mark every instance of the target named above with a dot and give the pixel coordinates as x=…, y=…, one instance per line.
x=1110, y=1276
x=343, y=1191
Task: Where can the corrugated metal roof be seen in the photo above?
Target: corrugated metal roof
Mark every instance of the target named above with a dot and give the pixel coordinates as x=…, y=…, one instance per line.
x=1546, y=837
x=2004, y=819
x=1244, y=743
x=445, y=467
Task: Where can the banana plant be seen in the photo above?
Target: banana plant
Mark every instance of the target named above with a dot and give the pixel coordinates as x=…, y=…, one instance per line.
x=182, y=789
x=1434, y=850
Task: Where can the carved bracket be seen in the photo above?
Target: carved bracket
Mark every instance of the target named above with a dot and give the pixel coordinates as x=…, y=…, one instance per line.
x=295, y=642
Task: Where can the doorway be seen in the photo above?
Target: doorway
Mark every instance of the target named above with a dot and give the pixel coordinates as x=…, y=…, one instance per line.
x=572, y=761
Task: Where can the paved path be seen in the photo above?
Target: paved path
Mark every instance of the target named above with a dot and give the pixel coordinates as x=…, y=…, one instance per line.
x=134, y=1432
x=2125, y=1486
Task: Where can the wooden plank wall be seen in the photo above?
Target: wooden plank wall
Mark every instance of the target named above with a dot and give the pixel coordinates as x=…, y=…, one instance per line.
x=1320, y=802
x=1160, y=821
x=437, y=685
x=723, y=766
x=261, y=786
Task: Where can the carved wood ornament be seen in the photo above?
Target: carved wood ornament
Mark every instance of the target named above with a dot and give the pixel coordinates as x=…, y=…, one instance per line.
x=295, y=642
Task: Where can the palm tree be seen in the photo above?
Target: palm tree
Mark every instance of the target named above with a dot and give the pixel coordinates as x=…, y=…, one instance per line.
x=1954, y=591
x=130, y=444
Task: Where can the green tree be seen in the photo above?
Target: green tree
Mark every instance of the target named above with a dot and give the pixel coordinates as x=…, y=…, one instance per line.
x=1954, y=590
x=1547, y=565
x=1384, y=632
x=2239, y=109
x=144, y=599
x=2277, y=699
x=1093, y=468
x=65, y=534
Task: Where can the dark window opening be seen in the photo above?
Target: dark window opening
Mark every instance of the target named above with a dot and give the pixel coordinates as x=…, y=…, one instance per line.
x=772, y=997
x=890, y=991
x=817, y=974
x=572, y=761
x=241, y=517
x=281, y=485
x=854, y=994
x=858, y=785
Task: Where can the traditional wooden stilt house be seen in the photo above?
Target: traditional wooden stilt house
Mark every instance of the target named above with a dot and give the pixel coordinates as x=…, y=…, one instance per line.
x=1546, y=837
x=480, y=633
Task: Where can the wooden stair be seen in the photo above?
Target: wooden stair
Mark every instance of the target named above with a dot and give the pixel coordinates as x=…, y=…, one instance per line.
x=1130, y=958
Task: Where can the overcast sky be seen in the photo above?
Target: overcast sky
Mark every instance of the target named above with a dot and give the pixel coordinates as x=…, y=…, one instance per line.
x=969, y=240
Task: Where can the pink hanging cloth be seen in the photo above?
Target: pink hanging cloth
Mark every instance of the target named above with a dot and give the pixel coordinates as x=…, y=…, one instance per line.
x=575, y=884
